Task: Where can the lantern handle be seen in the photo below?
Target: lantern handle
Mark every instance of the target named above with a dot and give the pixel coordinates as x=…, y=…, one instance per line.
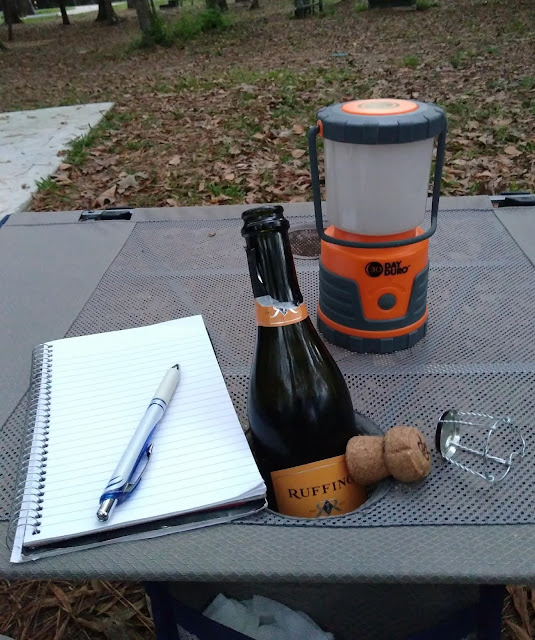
x=439, y=164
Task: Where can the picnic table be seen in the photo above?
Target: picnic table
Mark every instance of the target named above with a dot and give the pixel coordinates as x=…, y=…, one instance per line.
x=63, y=277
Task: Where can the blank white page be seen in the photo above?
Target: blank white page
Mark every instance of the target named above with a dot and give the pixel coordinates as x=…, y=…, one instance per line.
x=101, y=386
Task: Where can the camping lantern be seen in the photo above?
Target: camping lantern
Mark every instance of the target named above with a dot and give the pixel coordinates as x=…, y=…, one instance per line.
x=374, y=256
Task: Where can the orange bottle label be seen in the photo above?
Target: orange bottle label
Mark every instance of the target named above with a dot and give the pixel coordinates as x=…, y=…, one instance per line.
x=317, y=490
x=274, y=316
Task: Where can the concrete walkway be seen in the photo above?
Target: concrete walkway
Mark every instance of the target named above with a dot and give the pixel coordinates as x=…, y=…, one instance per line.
x=29, y=145
x=72, y=11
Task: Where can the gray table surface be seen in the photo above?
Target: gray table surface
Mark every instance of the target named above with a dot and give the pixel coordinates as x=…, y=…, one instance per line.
x=50, y=264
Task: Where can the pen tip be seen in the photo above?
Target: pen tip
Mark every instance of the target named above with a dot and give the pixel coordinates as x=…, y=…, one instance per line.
x=105, y=508
x=176, y=366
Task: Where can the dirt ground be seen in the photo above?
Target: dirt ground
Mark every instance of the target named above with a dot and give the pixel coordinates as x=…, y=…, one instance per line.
x=222, y=119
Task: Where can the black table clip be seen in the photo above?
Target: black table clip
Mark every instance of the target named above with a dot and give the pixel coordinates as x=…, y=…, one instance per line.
x=113, y=213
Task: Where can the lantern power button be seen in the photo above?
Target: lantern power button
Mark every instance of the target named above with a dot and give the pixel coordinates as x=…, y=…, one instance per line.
x=387, y=301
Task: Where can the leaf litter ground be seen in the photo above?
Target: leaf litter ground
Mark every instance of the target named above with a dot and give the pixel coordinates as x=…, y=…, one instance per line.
x=223, y=119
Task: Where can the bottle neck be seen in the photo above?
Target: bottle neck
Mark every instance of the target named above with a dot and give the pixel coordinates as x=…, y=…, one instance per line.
x=271, y=266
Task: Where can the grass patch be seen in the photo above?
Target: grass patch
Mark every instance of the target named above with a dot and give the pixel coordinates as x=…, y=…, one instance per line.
x=528, y=82
x=79, y=148
x=77, y=154
x=460, y=109
x=50, y=10
x=424, y=5
x=136, y=145
x=47, y=184
x=186, y=83
x=188, y=26
x=456, y=59
x=503, y=134
x=232, y=191
x=411, y=61
x=517, y=26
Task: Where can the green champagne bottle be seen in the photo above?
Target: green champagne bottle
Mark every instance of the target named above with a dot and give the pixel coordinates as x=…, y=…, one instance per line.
x=300, y=411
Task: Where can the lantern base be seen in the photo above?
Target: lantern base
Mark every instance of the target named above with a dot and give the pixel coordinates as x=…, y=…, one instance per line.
x=373, y=300
x=371, y=345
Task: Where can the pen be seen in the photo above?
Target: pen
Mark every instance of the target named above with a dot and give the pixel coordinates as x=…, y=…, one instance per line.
x=134, y=460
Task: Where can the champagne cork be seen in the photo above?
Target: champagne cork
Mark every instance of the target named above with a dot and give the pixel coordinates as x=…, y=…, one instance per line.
x=365, y=459
x=407, y=456
x=402, y=453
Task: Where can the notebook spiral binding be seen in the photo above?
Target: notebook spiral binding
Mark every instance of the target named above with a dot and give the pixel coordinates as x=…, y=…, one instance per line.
x=26, y=508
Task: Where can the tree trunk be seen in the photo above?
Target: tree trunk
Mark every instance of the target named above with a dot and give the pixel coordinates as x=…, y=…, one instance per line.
x=106, y=12
x=217, y=4
x=11, y=15
x=255, y=4
x=101, y=15
x=110, y=13
x=24, y=7
x=301, y=9
x=130, y=4
x=64, y=16
x=145, y=16
x=8, y=18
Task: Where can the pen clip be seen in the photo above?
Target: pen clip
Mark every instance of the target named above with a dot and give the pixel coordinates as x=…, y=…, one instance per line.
x=138, y=471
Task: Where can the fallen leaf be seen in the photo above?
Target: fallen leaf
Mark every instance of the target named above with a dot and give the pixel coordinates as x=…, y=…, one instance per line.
x=211, y=234
x=61, y=597
x=61, y=177
x=107, y=197
x=298, y=153
x=175, y=160
x=64, y=166
x=129, y=182
x=285, y=133
x=259, y=136
x=106, y=162
x=202, y=185
x=247, y=88
x=298, y=129
x=520, y=601
x=234, y=150
x=220, y=198
x=60, y=632
x=486, y=139
x=518, y=632
x=229, y=177
x=172, y=202
x=512, y=151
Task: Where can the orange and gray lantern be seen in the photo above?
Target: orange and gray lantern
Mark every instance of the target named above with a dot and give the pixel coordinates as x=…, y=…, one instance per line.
x=374, y=257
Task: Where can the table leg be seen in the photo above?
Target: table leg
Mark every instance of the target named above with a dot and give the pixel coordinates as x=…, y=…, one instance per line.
x=489, y=626
x=162, y=611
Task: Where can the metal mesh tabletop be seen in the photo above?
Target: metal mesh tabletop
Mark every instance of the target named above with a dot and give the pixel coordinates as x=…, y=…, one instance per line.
x=478, y=354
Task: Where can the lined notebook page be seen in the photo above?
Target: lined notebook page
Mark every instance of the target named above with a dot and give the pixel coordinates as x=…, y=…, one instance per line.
x=101, y=386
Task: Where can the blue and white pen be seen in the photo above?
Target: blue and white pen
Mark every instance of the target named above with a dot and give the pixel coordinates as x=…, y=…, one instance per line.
x=134, y=460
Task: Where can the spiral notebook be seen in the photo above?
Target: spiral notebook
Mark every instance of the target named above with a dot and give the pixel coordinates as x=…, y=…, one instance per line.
x=87, y=396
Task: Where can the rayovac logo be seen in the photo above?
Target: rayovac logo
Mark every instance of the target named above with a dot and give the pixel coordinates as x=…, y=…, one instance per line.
x=395, y=268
